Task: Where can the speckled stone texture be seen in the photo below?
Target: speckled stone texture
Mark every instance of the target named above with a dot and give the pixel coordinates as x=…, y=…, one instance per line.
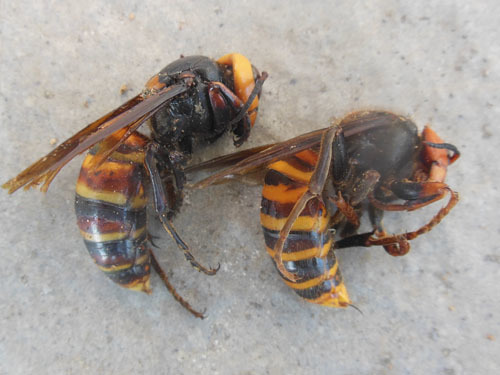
x=434, y=311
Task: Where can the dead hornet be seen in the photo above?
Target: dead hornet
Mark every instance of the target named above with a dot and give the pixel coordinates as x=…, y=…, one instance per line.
x=191, y=102
x=321, y=182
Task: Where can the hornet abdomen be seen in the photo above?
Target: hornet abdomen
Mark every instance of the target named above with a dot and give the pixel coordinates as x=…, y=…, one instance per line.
x=307, y=251
x=110, y=207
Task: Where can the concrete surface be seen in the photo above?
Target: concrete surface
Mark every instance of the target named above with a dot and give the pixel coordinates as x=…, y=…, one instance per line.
x=435, y=311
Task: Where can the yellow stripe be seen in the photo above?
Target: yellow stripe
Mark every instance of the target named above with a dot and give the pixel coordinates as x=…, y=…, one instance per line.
x=313, y=282
x=337, y=297
x=105, y=196
x=284, y=168
x=134, y=157
x=115, y=268
x=283, y=193
x=138, y=201
x=303, y=223
x=115, y=236
x=119, y=199
x=140, y=285
x=314, y=252
x=135, y=202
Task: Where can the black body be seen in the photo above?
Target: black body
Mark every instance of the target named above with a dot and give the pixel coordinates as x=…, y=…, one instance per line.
x=189, y=118
x=391, y=148
x=197, y=117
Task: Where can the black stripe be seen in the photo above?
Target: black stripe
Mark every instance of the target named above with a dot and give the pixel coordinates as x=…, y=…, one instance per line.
x=311, y=268
x=281, y=210
x=318, y=290
x=85, y=207
x=296, y=235
x=300, y=164
x=275, y=178
x=132, y=274
x=116, y=252
x=297, y=241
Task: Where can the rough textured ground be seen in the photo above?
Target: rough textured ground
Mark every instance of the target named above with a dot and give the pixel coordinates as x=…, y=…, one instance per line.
x=435, y=311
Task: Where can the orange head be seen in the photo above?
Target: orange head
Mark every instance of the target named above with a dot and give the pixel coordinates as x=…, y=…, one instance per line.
x=244, y=80
x=436, y=158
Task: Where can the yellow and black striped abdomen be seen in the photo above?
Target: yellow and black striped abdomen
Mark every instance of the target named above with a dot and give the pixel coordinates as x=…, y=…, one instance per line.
x=307, y=251
x=110, y=208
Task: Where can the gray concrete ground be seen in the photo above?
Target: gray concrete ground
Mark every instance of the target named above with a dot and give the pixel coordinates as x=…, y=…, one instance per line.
x=434, y=311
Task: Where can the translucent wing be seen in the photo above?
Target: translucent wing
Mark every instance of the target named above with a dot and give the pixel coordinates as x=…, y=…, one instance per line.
x=249, y=160
x=120, y=123
x=259, y=157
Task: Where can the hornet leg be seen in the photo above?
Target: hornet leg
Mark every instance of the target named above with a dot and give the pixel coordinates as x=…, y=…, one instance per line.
x=171, y=288
x=162, y=209
x=315, y=188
